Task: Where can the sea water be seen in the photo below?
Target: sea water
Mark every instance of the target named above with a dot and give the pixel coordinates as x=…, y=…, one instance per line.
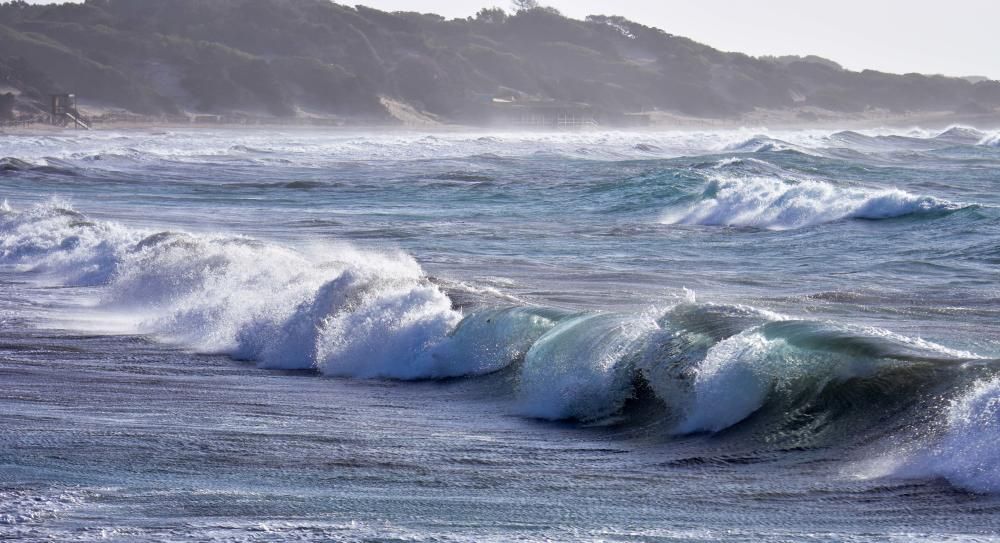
x=255, y=335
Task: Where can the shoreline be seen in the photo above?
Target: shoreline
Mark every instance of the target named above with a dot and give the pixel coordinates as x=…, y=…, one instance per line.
x=666, y=122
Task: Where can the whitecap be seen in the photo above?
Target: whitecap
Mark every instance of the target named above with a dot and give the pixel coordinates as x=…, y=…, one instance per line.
x=778, y=204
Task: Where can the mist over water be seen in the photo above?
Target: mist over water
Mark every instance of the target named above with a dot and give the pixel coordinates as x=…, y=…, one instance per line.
x=247, y=335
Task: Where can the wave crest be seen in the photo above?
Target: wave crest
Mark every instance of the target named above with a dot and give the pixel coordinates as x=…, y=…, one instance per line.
x=349, y=312
x=764, y=202
x=583, y=368
x=964, y=451
x=342, y=311
x=714, y=366
x=52, y=239
x=991, y=140
x=761, y=144
x=968, y=455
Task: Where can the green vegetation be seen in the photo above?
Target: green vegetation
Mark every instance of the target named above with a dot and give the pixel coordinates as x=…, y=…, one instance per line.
x=288, y=57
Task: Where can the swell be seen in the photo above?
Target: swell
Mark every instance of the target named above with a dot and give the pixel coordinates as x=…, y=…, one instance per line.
x=960, y=135
x=775, y=203
x=107, y=151
x=726, y=370
x=764, y=144
x=51, y=166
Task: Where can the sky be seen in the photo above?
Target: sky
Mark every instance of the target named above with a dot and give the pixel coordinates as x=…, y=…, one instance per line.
x=957, y=37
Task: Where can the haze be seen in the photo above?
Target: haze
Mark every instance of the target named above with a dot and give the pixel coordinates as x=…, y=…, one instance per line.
x=898, y=36
x=955, y=38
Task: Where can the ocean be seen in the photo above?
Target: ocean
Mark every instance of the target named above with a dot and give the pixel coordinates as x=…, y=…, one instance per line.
x=292, y=335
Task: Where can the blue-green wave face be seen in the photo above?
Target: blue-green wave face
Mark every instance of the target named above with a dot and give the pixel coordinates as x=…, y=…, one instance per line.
x=820, y=307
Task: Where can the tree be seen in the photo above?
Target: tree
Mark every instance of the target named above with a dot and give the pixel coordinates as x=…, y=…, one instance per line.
x=525, y=5
x=491, y=16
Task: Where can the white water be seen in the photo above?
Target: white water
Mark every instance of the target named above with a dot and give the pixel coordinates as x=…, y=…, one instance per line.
x=562, y=226
x=777, y=204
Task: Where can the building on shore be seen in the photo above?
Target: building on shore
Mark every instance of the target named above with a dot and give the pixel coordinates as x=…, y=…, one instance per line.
x=557, y=114
x=541, y=113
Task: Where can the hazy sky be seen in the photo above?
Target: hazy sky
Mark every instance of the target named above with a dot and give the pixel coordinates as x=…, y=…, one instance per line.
x=954, y=37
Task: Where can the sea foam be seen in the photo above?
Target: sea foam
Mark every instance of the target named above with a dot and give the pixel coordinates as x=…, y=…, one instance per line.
x=776, y=204
x=966, y=454
x=336, y=309
x=991, y=140
x=340, y=310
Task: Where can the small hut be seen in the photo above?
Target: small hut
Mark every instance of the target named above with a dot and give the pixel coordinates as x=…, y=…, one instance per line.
x=64, y=111
x=63, y=104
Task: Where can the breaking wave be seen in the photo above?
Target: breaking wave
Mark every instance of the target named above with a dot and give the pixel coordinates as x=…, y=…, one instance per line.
x=761, y=144
x=51, y=166
x=583, y=368
x=342, y=311
x=961, y=448
x=968, y=455
x=771, y=203
x=991, y=140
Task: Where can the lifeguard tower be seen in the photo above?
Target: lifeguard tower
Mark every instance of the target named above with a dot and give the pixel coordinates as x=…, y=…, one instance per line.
x=64, y=112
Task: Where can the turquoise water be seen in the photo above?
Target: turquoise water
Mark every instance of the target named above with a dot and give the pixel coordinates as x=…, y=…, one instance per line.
x=270, y=336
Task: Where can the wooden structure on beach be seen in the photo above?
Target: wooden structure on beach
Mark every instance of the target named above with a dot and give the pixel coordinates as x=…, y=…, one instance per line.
x=64, y=112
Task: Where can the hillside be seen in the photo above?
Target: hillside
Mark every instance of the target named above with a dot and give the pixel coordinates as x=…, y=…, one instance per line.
x=294, y=58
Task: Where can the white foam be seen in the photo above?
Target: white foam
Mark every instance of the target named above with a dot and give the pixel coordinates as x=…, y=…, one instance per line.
x=338, y=309
x=991, y=140
x=728, y=385
x=380, y=326
x=777, y=204
x=20, y=508
x=55, y=242
x=335, y=308
x=920, y=344
x=759, y=144
x=966, y=454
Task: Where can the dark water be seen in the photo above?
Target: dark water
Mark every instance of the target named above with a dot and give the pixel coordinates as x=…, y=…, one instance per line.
x=256, y=336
